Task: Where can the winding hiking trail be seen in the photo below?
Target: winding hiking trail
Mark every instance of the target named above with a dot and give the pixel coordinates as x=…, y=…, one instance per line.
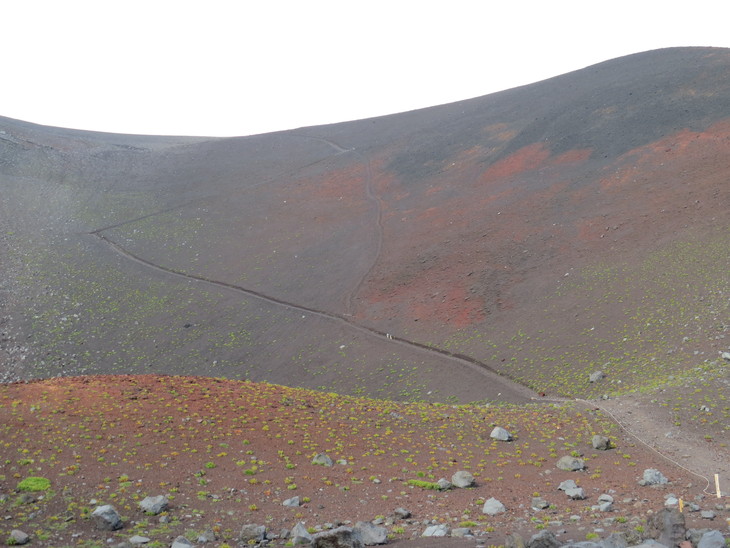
x=520, y=391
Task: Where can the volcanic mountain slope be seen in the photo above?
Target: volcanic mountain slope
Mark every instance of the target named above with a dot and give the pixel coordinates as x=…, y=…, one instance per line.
x=545, y=232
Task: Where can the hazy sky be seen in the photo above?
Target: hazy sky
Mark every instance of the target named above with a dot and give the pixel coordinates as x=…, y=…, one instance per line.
x=215, y=67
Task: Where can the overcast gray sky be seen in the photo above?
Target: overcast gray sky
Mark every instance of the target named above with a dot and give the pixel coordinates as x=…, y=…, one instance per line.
x=223, y=68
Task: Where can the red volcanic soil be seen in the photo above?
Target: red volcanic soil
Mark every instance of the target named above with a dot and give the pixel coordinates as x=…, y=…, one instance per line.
x=228, y=453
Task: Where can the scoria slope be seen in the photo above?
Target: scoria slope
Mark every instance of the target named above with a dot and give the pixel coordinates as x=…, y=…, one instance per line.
x=542, y=233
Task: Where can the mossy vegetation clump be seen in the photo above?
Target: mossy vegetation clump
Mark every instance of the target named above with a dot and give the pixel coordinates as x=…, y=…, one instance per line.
x=34, y=484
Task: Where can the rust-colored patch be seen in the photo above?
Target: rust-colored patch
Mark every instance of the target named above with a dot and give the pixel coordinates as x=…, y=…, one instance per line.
x=528, y=158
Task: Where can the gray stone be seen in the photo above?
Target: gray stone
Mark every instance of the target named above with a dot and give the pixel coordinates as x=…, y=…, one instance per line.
x=322, y=459
x=582, y=544
x=252, y=533
x=492, y=507
x=154, y=505
x=440, y=530
x=570, y=463
x=514, y=540
x=371, y=534
x=341, y=537
x=567, y=484
x=139, y=539
x=207, y=536
x=694, y=535
x=712, y=539
x=601, y=443
x=106, y=518
x=300, y=535
x=18, y=537
x=667, y=526
x=671, y=501
x=401, y=513
x=576, y=494
x=596, y=376
x=539, y=503
x=462, y=479
x=181, y=542
x=544, y=539
x=461, y=532
x=614, y=540
x=444, y=484
x=651, y=543
x=707, y=514
x=652, y=476
x=500, y=434
x=292, y=502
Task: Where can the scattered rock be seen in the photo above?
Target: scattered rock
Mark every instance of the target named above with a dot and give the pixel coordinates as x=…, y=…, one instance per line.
x=461, y=532
x=300, y=535
x=653, y=476
x=539, y=503
x=576, y=494
x=601, y=443
x=570, y=463
x=341, y=537
x=371, y=534
x=514, y=540
x=444, y=484
x=139, y=539
x=707, y=514
x=440, y=530
x=462, y=479
x=292, y=502
x=401, y=513
x=596, y=376
x=544, y=539
x=252, y=533
x=667, y=526
x=106, y=518
x=154, y=505
x=322, y=459
x=725, y=356
x=207, y=536
x=493, y=507
x=712, y=539
x=567, y=484
x=615, y=540
x=500, y=434
x=18, y=537
x=181, y=542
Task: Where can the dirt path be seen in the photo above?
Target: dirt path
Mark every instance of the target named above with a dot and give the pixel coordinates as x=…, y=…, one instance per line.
x=518, y=392
x=683, y=446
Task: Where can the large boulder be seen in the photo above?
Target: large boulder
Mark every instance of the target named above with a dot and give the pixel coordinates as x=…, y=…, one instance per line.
x=601, y=443
x=462, y=479
x=440, y=530
x=371, y=534
x=154, y=505
x=341, y=537
x=653, y=476
x=712, y=539
x=667, y=526
x=570, y=463
x=543, y=539
x=300, y=535
x=18, y=538
x=106, y=518
x=500, y=434
x=493, y=507
x=252, y=533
